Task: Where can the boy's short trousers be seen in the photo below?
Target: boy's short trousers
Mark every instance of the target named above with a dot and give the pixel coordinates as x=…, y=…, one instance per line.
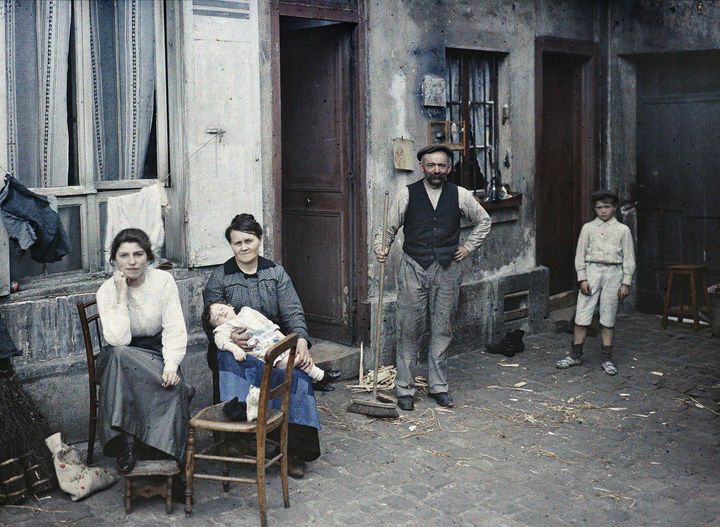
x=605, y=281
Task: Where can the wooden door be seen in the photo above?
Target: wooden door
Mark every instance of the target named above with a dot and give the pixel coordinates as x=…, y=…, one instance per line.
x=315, y=76
x=559, y=185
x=678, y=189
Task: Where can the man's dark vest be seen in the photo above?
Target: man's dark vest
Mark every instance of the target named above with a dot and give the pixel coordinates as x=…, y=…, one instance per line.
x=432, y=234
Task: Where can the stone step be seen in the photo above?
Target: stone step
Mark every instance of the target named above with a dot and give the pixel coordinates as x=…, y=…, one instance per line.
x=331, y=355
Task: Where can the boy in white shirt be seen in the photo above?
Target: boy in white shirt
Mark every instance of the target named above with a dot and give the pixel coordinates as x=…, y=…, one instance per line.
x=605, y=263
x=264, y=335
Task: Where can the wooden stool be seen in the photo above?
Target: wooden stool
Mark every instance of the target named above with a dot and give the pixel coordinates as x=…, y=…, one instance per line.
x=696, y=274
x=160, y=472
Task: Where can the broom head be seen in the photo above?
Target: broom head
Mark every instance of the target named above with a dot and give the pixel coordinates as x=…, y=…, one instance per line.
x=373, y=408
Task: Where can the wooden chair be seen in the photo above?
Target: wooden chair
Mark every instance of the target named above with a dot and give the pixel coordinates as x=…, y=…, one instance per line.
x=85, y=322
x=696, y=276
x=213, y=419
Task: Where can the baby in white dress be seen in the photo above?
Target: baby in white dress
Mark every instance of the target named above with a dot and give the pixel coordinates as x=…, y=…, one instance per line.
x=263, y=335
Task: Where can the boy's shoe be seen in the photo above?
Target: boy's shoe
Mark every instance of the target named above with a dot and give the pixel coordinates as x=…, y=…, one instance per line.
x=323, y=385
x=568, y=362
x=609, y=368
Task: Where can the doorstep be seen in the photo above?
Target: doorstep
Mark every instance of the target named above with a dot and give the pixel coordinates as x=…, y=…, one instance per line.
x=331, y=355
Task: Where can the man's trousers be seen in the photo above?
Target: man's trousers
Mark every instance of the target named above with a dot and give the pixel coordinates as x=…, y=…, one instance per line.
x=421, y=292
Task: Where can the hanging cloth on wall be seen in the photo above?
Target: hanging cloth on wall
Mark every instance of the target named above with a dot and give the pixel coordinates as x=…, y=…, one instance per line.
x=139, y=210
x=30, y=210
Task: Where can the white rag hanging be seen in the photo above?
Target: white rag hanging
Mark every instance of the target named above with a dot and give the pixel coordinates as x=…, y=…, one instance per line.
x=139, y=210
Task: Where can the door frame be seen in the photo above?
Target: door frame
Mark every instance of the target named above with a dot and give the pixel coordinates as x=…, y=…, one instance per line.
x=358, y=199
x=589, y=119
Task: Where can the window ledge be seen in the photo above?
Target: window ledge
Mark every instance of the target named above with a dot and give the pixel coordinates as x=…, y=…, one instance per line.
x=514, y=201
x=505, y=210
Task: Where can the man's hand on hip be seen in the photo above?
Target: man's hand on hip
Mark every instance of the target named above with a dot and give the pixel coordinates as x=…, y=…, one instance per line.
x=461, y=253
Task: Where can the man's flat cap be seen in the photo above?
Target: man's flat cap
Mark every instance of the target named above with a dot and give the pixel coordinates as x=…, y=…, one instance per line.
x=603, y=195
x=429, y=149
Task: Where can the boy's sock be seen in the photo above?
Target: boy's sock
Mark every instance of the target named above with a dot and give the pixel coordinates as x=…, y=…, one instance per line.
x=576, y=350
x=606, y=353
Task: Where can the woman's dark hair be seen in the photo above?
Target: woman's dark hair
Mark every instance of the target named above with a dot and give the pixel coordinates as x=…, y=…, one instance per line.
x=244, y=223
x=132, y=236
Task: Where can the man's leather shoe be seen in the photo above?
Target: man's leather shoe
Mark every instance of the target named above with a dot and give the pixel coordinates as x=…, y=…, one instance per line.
x=442, y=398
x=125, y=462
x=405, y=402
x=323, y=385
x=296, y=467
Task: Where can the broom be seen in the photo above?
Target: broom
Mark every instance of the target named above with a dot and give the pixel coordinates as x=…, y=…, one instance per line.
x=373, y=407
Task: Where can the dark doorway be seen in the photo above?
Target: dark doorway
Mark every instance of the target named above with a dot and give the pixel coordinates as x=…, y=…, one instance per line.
x=318, y=245
x=566, y=155
x=678, y=168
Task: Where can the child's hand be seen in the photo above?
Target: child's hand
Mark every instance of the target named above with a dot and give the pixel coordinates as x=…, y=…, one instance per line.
x=239, y=355
x=623, y=291
x=585, y=288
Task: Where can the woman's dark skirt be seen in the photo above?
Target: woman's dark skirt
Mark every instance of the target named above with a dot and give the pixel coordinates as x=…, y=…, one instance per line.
x=304, y=422
x=133, y=401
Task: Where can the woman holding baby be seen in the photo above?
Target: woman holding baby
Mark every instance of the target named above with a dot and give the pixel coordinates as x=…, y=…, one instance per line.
x=249, y=280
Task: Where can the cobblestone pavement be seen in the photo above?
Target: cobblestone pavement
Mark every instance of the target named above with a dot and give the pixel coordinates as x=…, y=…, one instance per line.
x=572, y=447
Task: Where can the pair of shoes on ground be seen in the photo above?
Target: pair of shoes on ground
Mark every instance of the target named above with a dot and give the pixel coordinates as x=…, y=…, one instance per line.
x=510, y=345
x=569, y=361
x=406, y=402
x=324, y=384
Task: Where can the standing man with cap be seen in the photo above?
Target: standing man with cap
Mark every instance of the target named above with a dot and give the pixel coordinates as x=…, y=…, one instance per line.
x=429, y=276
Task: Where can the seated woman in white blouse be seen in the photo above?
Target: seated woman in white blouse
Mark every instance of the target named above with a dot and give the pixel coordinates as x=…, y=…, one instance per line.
x=143, y=398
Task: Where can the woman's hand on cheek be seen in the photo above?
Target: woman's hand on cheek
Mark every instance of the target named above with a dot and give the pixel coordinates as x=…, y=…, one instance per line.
x=121, y=286
x=302, y=354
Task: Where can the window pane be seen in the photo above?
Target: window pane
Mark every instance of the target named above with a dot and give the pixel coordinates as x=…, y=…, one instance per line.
x=22, y=266
x=471, y=97
x=37, y=58
x=122, y=57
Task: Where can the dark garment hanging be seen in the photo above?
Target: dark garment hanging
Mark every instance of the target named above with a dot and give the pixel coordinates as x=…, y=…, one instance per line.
x=52, y=242
x=7, y=346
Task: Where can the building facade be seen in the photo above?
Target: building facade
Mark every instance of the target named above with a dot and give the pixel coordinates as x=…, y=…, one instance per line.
x=304, y=112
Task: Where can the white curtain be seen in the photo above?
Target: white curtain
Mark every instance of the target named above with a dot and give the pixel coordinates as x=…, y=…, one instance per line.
x=37, y=50
x=122, y=53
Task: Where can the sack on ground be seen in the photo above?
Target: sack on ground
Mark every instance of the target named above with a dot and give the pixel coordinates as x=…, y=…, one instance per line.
x=74, y=476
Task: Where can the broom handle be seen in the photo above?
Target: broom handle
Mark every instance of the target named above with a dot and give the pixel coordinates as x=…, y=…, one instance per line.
x=378, y=318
